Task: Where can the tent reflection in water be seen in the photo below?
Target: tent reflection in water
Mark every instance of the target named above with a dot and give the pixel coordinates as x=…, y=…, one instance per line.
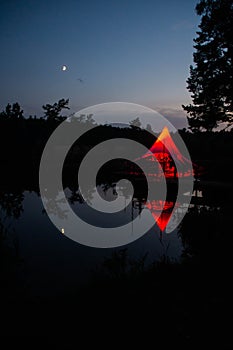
x=166, y=153
x=161, y=218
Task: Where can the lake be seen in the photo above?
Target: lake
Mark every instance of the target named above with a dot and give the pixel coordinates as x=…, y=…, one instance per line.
x=51, y=263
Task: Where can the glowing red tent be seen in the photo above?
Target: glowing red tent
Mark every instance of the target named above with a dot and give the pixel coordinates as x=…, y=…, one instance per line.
x=166, y=152
x=165, y=145
x=169, y=156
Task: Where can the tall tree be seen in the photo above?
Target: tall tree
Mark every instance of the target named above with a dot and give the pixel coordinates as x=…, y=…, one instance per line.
x=53, y=112
x=12, y=111
x=211, y=78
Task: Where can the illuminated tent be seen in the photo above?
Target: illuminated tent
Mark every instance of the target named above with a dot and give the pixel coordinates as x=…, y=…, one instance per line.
x=167, y=154
x=165, y=151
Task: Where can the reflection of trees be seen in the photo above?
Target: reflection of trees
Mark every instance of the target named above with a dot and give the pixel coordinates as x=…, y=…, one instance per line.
x=75, y=196
x=55, y=200
x=10, y=207
x=54, y=203
x=120, y=265
x=9, y=256
x=205, y=231
x=11, y=203
x=121, y=190
x=53, y=207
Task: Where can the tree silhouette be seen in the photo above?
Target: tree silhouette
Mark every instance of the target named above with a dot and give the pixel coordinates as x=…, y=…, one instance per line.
x=135, y=123
x=12, y=111
x=52, y=112
x=211, y=79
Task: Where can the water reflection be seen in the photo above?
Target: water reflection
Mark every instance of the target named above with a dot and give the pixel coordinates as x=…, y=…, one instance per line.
x=54, y=263
x=11, y=203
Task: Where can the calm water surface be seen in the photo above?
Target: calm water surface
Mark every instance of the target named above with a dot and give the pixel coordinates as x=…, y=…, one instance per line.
x=53, y=264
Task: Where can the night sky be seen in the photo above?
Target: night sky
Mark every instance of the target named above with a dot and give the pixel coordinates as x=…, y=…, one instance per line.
x=134, y=51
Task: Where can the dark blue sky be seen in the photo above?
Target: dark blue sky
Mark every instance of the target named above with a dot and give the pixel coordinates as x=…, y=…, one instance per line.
x=124, y=50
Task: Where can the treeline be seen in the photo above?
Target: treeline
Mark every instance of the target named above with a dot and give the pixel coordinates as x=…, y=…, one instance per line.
x=213, y=151
x=22, y=141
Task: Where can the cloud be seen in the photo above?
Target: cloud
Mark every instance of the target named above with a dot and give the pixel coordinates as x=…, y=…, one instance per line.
x=175, y=116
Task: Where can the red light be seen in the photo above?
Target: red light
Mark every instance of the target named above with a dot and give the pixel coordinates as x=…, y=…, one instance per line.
x=155, y=207
x=167, y=153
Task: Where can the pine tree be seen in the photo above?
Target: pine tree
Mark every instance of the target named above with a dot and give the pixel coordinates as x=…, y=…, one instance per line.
x=12, y=111
x=211, y=79
x=53, y=112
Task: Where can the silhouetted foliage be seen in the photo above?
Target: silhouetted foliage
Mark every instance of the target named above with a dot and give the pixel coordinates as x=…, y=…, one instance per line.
x=211, y=79
x=135, y=123
x=52, y=112
x=199, y=284
x=12, y=112
x=23, y=141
